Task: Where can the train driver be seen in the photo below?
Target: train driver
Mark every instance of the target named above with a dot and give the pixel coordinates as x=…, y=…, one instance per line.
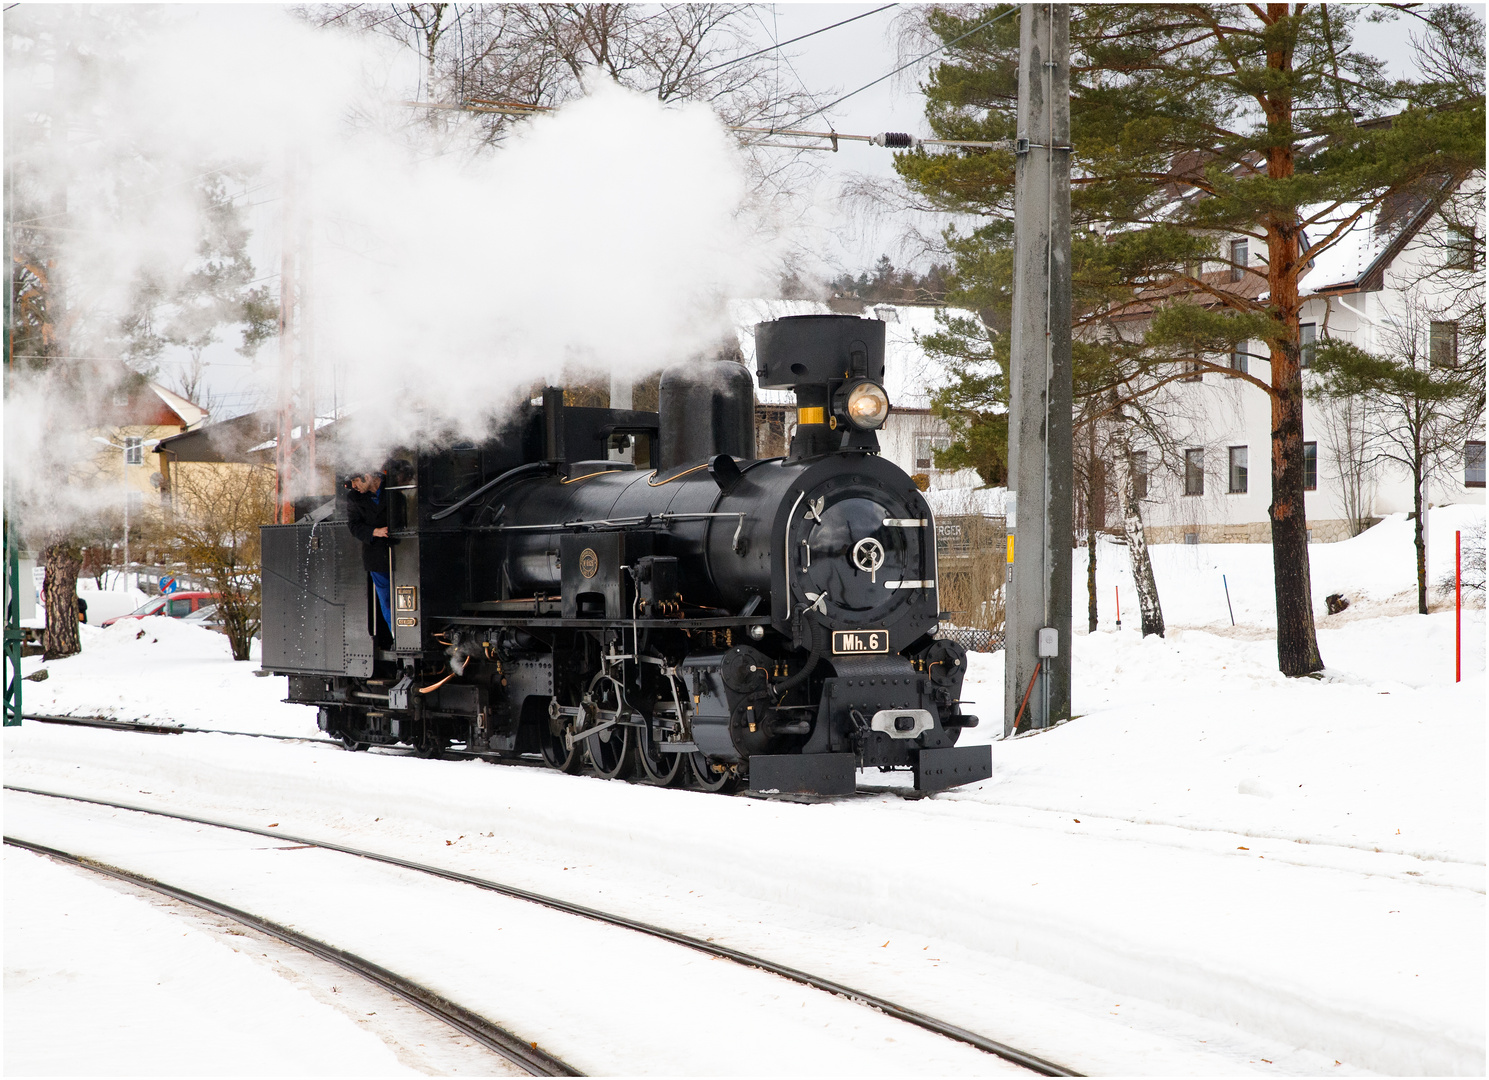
x=367, y=518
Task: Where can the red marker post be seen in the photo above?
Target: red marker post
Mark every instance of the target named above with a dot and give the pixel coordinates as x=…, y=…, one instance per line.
x=1117, y=593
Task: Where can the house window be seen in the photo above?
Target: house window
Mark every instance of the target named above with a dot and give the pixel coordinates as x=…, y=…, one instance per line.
x=1194, y=472
x=1240, y=257
x=1473, y=464
x=121, y=398
x=1238, y=470
x=134, y=450
x=1193, y=372
x=1307, y=338
x=1443, y=344
x=1238, y=357
x=1310, y=466
x=1140, y=474
x=1194, y=268
x=1463, y=248
x=1191, y=538
x=925, y=450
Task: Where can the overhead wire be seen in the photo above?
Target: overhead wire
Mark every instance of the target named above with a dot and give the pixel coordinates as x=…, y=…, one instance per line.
x=910, y=64
x=781, y=45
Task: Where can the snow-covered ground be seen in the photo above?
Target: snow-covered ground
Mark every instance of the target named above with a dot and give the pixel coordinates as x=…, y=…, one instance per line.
x=1211, y=869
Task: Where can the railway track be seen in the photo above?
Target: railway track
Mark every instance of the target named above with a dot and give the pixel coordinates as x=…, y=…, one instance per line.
x=890, y=1008
x=527, y=1056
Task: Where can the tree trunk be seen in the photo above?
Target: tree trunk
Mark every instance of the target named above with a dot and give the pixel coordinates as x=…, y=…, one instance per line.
x=1132, y=529
x=1094, y=483
x=1090, y=579
x=59, y=592
x=1419, y=539
x=1297, y=638
x=1292, y=581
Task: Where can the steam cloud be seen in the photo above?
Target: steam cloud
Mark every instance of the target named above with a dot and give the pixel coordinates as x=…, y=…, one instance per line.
x=605, y=236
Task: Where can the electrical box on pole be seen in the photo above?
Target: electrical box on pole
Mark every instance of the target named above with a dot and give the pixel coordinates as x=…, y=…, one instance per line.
x=1037, y=614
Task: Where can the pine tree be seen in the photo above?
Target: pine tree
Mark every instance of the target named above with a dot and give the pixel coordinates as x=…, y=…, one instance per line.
x=1192, y=124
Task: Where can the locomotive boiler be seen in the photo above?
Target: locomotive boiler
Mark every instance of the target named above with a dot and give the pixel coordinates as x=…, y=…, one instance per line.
x=691, y=614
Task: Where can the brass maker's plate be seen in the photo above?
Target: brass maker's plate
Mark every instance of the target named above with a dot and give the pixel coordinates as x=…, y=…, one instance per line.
x=589, y=562
x=849, y=642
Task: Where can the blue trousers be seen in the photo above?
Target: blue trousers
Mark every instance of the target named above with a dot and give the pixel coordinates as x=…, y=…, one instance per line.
x=381, y=586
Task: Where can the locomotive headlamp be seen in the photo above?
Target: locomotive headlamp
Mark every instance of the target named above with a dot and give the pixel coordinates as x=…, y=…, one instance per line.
x=866, y=404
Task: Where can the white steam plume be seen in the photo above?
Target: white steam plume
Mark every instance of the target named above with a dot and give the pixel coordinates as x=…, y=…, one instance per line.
x=604, y=236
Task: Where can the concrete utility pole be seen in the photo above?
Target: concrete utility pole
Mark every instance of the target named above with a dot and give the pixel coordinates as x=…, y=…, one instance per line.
x=294, y=464
x=1037, y=619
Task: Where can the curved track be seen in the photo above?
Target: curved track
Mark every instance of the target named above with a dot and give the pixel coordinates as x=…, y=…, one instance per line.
x=524, y=1055
x=900, y=1012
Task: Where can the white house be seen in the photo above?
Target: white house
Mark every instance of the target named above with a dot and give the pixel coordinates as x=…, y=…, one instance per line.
x=1367, y=289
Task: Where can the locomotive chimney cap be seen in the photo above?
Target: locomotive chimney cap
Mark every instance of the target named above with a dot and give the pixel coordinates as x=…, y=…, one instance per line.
x=818, y=349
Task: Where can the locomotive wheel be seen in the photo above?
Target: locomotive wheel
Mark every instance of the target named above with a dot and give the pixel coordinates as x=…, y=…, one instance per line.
x=556, y=754
x=656, y=767
x=609, y=752
x=709, y=777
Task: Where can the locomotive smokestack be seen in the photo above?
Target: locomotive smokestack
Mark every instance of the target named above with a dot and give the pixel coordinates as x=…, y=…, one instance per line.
x=835, y=364
x=705, y=408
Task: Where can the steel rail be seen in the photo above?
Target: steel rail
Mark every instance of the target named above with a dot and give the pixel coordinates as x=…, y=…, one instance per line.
x=884, y=1005
x=525, y=1055
x=145, y=728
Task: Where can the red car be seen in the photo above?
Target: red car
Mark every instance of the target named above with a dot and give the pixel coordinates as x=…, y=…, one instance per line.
x=173, y=605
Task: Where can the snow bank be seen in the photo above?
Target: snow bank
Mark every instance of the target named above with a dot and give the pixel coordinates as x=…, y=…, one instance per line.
x=1377, y=567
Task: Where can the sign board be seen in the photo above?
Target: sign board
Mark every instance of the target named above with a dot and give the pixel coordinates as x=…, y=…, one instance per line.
x=168, y=585
x=851, y=642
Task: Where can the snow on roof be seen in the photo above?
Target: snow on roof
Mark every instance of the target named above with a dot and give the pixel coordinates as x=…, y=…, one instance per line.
x=191, y=414
x=1345, y=261
x=910, y=374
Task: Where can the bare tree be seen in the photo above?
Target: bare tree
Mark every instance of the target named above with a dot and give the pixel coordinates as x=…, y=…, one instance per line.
x=1351, y=459
x=495, y=57
x=214, y=533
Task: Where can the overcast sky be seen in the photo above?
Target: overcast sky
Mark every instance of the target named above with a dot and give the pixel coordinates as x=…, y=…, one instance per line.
x=832, y=64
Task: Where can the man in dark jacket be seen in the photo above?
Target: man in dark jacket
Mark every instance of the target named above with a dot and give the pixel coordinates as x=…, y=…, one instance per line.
x=367, y=518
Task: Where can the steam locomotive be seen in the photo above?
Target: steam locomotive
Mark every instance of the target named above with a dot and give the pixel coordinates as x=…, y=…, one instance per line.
x=694, y=614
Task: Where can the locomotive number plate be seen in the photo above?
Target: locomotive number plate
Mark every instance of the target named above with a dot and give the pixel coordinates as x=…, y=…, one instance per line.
x=847, y=642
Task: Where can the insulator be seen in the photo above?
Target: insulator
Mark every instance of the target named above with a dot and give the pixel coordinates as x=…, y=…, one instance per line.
x=896, y=140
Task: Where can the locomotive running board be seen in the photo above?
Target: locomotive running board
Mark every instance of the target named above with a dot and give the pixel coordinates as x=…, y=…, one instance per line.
x=803, y=774
x=936, y=770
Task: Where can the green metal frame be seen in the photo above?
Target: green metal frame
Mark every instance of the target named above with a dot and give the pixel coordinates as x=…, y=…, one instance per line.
x=12, y=555
x=13, y=633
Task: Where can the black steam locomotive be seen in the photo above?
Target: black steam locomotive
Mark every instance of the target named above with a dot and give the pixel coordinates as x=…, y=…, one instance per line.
x=692, y=613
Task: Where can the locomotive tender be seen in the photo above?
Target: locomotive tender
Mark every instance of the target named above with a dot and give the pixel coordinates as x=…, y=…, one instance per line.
x=708, y=616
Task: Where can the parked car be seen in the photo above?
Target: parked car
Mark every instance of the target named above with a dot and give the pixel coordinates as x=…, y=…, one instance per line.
x=207, y=616
x=176, y=605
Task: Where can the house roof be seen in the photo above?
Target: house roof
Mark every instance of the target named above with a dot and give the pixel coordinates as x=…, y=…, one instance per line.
x=187, y=412
x=230, y=440
x=1358, y=260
